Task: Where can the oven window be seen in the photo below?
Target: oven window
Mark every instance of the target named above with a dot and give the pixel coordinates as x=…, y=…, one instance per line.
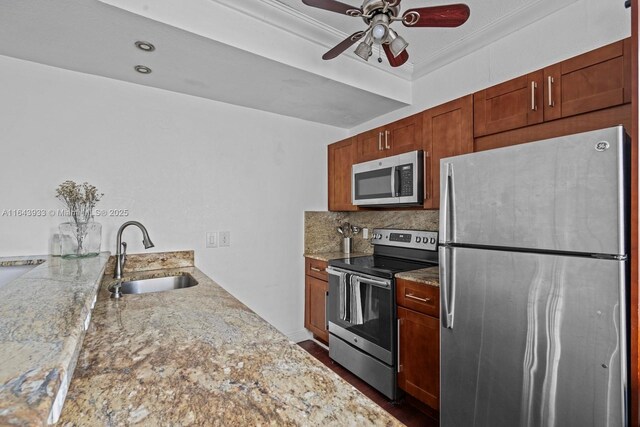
x=363, y=309
x=373, y=184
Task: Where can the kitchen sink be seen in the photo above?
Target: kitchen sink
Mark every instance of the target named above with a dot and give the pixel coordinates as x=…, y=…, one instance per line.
x=159, y=284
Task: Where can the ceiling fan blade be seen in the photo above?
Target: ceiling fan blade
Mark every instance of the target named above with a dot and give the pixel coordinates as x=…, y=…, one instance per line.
x=343, y=45
x=398, y=60
x=451, y=15
x=334, y=6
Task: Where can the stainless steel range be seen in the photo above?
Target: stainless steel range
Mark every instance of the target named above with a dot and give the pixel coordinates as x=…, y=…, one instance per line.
x=362, y=304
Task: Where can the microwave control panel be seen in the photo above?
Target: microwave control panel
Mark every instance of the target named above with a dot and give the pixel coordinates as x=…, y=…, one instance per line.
x=406, y=180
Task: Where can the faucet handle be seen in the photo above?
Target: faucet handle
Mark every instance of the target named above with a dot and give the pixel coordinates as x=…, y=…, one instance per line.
x=124, y=248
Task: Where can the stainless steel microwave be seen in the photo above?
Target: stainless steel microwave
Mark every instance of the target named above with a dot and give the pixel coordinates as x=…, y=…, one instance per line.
x=391, y=181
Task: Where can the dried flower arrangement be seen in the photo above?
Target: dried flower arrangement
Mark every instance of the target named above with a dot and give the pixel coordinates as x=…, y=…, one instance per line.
x=79, y=198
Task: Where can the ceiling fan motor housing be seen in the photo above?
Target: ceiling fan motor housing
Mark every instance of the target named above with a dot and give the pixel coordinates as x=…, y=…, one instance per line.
x=374, y=7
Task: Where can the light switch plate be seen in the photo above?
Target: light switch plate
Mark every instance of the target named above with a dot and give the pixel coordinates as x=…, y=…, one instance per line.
x=211, y=239
x=225, y=238
x=365, y=233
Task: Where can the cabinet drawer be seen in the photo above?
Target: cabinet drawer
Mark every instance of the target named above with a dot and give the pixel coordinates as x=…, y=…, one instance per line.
x=316, y=268
x=419, y=297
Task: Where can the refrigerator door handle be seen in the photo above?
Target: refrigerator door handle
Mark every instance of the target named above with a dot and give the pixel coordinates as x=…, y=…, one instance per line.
x=448, y=213
x=447, y=288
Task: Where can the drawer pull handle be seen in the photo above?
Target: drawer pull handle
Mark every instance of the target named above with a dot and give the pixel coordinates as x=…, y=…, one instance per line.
x=412, y=296
x=319, y=270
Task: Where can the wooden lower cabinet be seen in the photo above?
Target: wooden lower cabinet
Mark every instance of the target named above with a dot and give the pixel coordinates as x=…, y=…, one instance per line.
x=419, y=370
x=315, y=300
x=419, y=341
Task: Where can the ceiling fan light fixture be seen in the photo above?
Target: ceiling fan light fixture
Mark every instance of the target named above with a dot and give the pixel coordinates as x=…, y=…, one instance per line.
x=379, y=32
x=396, y=43
x=380, y=28
x=365, y=48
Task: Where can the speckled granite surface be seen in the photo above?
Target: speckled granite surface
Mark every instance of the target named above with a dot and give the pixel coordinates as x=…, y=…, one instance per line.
x=22, y=260
x=320, y=234
x=152, y=261
x=327, y=256
x=428, y=276
x=197, y=356
x=42, y=315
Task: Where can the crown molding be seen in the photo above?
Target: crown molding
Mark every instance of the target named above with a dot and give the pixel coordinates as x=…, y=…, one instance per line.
x=286, y=18
x=506, y=24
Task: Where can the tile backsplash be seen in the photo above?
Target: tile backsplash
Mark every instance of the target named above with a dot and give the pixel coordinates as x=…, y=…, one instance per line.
x=321, y=235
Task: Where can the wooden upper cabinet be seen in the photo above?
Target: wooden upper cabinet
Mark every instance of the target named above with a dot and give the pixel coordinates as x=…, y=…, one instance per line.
x=589, y=82
x=404, y=135
x=341, y=156
x=398, y=137
x=447, y=130
x=509, y=105
x=370, y=145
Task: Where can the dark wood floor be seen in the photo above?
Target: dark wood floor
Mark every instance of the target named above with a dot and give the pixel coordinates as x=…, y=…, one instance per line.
x=405, y=410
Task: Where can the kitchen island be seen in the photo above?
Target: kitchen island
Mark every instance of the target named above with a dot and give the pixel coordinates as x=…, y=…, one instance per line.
x=198, y=356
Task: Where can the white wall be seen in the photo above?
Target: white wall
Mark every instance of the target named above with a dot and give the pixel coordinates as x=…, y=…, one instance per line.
x=578, y=28
x=181, y=165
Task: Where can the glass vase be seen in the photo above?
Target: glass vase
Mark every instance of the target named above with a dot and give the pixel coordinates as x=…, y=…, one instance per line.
x=80, y=240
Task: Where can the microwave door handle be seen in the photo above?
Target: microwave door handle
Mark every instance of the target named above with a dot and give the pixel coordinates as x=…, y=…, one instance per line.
x=393, y=182
x=397, y=182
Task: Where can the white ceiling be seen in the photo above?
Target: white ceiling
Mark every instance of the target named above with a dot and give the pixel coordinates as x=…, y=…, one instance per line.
x=262, y=54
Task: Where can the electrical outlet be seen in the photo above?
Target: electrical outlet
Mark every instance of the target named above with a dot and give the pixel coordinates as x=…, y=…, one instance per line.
x=225, y=238
x=212, y=239
x=365, y=233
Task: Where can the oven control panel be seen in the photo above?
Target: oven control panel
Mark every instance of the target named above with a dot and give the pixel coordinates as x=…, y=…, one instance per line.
x=414, y=239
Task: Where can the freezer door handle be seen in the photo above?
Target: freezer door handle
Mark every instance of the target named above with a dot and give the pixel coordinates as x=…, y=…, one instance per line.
x=447, y=287
x=448, y=214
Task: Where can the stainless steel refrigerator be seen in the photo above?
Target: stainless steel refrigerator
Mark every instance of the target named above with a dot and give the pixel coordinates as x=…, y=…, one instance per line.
x=534, y=284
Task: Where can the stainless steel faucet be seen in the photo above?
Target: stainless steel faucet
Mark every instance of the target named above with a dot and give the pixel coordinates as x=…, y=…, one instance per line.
x=121, y=247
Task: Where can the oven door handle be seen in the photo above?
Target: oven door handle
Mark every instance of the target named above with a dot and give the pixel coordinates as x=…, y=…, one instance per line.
x=333, y=272
x=357, y=276
x=382, y=284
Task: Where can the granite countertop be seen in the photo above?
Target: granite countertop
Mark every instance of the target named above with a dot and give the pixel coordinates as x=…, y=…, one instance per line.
x=328, y=256
x=43, y=315
x=428, y=276
x=197, y=356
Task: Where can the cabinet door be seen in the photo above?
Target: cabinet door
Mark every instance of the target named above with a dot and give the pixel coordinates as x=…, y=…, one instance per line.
x=419, y=356
x=341, y=158
x=595, y=80
x=403, y=136
x=315, y=310
x=447, y=131
x=371, y=145
x=509, y=105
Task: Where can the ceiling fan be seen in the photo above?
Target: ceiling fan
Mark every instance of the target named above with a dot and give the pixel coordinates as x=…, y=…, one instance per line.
x=379, y=15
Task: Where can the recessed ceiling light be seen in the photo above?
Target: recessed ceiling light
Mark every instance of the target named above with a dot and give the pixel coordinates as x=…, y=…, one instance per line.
x=146, y=46
x=142, y=69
